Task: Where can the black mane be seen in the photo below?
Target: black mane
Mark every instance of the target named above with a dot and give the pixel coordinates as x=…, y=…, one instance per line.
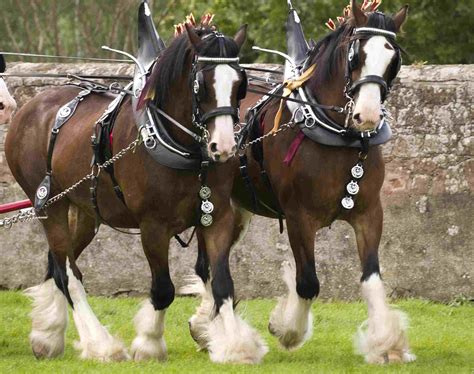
x=330, y=52
x=172, y=62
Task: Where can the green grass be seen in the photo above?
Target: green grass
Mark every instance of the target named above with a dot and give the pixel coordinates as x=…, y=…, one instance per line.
x=441, y=336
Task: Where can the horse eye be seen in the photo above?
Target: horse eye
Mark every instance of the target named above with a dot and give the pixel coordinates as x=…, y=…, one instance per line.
x=388, y=46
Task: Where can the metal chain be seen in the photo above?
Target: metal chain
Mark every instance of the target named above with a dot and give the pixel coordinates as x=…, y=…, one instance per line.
x=30, y=214
x=283, y=127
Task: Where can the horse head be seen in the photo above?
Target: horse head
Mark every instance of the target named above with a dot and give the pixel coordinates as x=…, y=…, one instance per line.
x=373, y=63
x=219, y=87
x=356, y=64
x=203, y=65
x=7, y=102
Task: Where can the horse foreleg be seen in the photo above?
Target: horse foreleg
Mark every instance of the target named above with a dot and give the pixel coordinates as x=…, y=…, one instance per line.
x=201, y=285
x=150, y=320
x=230, y=338
x=292, y=321
x=382, y=338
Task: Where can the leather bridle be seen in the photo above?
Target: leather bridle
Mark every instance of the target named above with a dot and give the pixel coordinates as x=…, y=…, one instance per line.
x=364, y=33
x=201, y=64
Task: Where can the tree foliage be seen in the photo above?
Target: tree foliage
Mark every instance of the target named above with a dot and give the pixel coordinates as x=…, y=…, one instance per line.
x=437, y=31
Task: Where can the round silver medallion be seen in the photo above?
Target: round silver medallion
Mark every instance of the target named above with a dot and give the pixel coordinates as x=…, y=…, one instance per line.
x=207, y=207
x=42, y=192
x=347, y=202
x=64, y=111
x=206, y=220
x=357, y=171
x=353, y=188
x=205, y=193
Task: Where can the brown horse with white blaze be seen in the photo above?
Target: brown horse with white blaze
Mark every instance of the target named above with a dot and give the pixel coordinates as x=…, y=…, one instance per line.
x=159, y=200
x=308, y=189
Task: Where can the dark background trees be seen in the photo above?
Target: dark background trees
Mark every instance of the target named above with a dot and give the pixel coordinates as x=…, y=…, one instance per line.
x=437, y=31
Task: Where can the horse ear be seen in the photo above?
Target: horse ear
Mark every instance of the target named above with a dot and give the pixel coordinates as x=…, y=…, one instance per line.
x=358, y=13
x=400, y=17
x=192, y=36
x=241, y=35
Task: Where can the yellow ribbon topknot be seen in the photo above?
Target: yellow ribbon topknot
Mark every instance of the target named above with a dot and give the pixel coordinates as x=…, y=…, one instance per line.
x=288, y=87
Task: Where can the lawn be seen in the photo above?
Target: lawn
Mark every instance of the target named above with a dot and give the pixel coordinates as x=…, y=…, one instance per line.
x=441, y=336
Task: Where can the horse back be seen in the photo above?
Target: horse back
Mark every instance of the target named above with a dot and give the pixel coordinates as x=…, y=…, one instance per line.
x=27, y=140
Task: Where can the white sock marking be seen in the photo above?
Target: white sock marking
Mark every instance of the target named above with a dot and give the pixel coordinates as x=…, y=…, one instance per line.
x=95, y=341
x=383, y=336
x=49, y=319
x=150, y=326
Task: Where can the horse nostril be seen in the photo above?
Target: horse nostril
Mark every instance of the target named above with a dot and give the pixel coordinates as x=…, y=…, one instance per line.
x=357, y=117
x=2, y=106
x=213, y=147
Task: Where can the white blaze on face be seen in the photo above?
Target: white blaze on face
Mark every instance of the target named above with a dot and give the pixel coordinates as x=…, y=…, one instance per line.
x=368, y=101
x=7, y=103
x=223, y=134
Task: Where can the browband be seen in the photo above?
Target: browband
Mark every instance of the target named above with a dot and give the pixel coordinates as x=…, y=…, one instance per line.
x=372, y=30
x=218, y=60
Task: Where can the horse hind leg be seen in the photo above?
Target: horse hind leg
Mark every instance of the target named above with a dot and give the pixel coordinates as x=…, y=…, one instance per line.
x=291, y=321
x=49, y=315
x=95, y=341
x=382, y=338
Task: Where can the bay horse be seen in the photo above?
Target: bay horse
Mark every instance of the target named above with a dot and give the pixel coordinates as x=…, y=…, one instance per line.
x=308, y=189
x=7, y=102
x=159, y=200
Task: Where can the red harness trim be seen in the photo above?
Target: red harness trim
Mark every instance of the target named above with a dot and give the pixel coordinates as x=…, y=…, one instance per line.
x=17, y=205
x=295, y=145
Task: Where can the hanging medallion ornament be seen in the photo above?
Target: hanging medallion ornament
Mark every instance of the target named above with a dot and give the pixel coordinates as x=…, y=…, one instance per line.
x=357, y=171
x=347, y=202
x=353, y=187
x=205, y=193
x=206, y=206
x=206, y=220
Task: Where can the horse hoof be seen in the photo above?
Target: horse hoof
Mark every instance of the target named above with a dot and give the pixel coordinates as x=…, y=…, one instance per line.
x=198, y=336
x=146, y=348
x=46, y=348
x=113, y=351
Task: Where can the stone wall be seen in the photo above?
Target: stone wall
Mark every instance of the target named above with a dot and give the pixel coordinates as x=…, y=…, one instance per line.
x=427, y=245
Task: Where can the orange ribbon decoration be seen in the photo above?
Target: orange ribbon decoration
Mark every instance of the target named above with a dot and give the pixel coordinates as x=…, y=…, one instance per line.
x=288, y=87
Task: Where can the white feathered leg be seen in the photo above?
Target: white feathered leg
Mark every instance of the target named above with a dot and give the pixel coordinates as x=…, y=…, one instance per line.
x=199, y=322
x=232, y=340
x=382, y=338
x=291, y=321
x=95, y=341
x=49, y=319
x=150, y=326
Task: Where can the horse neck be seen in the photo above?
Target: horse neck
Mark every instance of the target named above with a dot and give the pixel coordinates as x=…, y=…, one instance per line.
x=179, y=106
x=329, y=91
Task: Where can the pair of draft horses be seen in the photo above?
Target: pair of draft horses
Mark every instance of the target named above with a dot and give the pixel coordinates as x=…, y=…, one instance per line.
x=161, y=201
